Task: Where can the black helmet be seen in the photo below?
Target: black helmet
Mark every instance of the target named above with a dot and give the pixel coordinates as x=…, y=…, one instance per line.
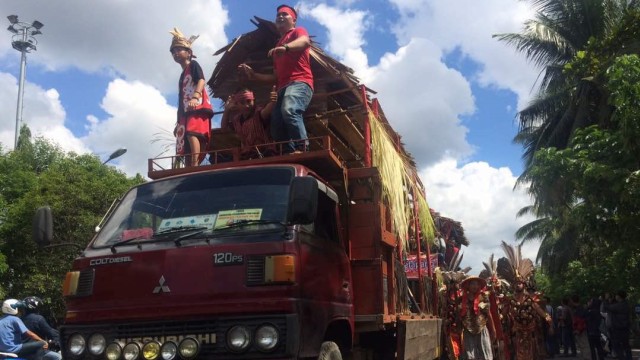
x=32, y=303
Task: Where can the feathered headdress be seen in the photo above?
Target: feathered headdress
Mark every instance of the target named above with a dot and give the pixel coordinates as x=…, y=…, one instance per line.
x=453, y=273
x=490, y=272
x=514, y=268
x=179, y=40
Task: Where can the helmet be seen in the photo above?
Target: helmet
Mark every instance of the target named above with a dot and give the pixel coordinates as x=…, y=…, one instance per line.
x=32, y=303
x=11, y=306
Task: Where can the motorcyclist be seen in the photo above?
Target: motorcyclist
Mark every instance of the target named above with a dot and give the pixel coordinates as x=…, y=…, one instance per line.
x=39, y=325
x=15, y=336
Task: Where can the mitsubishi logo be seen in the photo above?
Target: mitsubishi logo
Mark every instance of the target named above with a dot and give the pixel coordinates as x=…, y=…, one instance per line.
x=161, y=286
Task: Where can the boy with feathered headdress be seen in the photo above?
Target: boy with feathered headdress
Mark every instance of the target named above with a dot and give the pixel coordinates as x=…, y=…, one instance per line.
x=193, y=126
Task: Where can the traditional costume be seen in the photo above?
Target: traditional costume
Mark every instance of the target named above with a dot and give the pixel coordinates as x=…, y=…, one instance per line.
x=523, y=310
x=193, y=122
x=474, y=311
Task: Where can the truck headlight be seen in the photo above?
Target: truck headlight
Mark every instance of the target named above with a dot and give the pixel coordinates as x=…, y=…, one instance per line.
x=113, y=351
x=97, y=343
x=131, y=351
x=76, y=344
x=168, y=350
x=188, y=348
x=266, y=337
x=151, y=350
x=238, y=338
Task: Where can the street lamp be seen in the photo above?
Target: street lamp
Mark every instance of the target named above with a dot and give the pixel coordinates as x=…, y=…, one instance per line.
x=115, y=154
x=23, y=40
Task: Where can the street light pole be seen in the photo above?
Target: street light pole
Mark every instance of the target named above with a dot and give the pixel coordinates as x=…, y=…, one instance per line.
x=24, y=41
x=115, y=154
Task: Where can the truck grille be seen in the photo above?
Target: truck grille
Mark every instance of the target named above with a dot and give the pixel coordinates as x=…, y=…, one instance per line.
x=255, y=270
x=85, y=282
x=201, y=329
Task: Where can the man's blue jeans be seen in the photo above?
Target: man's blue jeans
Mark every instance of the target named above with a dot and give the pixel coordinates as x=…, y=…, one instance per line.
x=287, y=122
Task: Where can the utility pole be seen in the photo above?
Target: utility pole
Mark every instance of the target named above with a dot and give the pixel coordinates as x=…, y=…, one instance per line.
x=24, y=41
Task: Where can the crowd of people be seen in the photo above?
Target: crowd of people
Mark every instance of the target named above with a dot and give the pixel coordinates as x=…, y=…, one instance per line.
x=500, y=314
x=280, y=120
x=25, y=333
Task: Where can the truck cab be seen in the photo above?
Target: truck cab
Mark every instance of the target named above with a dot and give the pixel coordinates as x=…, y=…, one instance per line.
x=239, y=262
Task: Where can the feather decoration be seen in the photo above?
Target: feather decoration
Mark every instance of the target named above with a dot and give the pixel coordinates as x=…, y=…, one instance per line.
x=514, y=268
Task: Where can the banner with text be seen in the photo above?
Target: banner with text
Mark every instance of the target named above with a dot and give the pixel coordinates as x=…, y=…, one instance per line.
x=411, y=265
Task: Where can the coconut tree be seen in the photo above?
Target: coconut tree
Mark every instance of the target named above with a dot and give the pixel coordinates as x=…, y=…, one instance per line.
x=565, y=101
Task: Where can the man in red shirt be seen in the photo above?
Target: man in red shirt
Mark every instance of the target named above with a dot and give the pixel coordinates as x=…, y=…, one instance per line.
x=293, y=78
x=250, y=122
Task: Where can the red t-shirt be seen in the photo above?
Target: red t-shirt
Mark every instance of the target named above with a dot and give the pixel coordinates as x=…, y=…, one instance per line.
x=293, y=65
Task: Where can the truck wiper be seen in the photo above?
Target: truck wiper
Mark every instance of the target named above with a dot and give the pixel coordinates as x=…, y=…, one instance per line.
x=242, y=223
x=189, y=235
x=195, y=231
x=124, y=242
x=179, y=229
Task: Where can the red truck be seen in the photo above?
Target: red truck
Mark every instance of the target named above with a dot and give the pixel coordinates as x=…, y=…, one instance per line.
x=281, y=257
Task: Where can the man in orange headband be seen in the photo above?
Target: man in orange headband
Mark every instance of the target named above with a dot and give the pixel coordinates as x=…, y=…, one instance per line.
x=250, y=122
x=293, y=78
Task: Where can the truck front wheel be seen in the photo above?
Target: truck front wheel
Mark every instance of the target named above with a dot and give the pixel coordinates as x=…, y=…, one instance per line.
x=329, y=351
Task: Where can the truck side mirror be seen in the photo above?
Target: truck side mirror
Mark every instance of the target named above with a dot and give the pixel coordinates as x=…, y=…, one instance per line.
x=303, y=200
x=43, y=226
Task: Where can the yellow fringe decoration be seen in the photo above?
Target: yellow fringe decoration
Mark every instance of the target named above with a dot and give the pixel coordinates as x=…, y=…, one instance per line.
x=398, y=181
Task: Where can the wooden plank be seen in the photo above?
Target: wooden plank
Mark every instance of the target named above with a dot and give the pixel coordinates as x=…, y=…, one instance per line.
x=223, y=139
x=419, y=339
x=343, y=126
x=318, y=127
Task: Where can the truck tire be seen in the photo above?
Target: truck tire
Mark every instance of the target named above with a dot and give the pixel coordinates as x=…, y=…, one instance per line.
x=329, y=351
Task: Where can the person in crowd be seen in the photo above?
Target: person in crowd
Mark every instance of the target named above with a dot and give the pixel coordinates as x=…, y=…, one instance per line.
x=607, y=329
x=620, y=324
x=594, y=320
x=565, y=322
x=474, y=312
x=579, y=327
x=549, y=333
x=15, y=338
x=250, y=122
x=293, y=78
x=37, y=323
x=193, y=128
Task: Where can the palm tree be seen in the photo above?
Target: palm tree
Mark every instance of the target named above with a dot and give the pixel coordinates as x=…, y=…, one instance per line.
x=567, y=99
x=564, y=103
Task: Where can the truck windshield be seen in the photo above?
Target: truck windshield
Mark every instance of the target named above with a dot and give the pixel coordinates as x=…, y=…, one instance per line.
x=206, y=202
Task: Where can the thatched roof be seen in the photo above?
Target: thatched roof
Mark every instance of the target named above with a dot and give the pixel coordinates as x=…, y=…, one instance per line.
x=449, y=229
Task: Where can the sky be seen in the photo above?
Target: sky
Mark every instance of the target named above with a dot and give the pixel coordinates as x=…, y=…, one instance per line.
x=102, y=78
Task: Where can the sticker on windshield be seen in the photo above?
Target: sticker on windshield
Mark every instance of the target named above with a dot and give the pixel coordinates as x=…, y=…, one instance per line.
x=229, y=217
x=198, y=220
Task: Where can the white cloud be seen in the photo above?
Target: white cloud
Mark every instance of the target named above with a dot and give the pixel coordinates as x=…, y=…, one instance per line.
x=128, y=39
x=423, y=100
x=483, y=199
x=137, y=115
x=469, y=25
x=42, y=112
x=346, y=37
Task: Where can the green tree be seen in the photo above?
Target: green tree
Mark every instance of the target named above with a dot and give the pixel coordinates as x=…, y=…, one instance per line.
x=600, y=170
x=78, y=188
x=575, y=93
